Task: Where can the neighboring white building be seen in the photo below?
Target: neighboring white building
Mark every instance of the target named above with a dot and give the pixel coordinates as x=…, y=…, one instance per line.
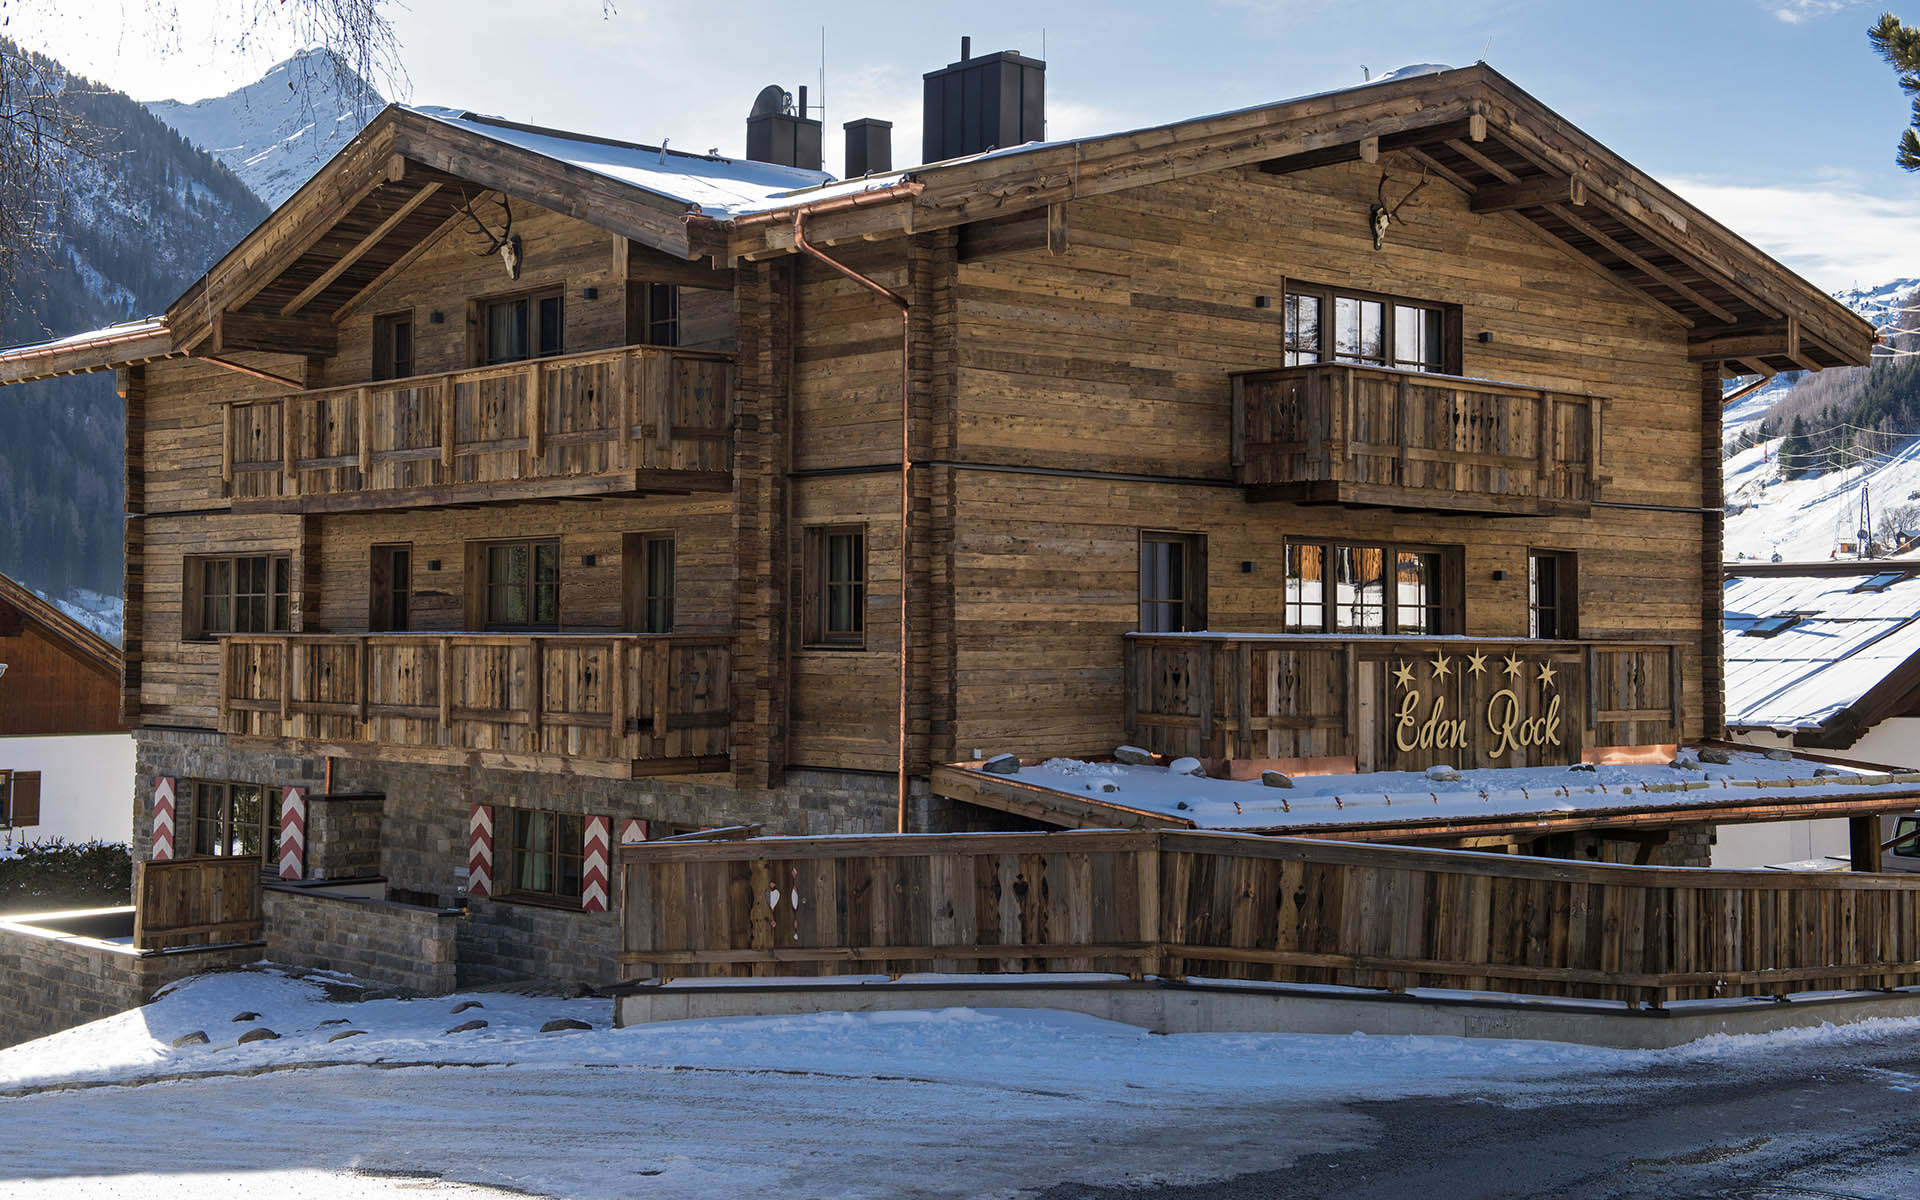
x=1821, y=658
x=83, y=789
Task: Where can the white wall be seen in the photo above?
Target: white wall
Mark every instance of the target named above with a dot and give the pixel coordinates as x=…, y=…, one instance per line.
x=86, y=785
x=1894, y=742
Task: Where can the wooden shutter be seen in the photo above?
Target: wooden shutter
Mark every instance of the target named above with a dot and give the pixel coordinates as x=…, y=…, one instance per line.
x=593, y=866
x=24, y=807
x=632, y=830
x=293, y=832
x=480, y=851
x=163, y=793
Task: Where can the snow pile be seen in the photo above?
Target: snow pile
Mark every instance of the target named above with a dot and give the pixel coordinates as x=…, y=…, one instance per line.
x=1406, y=797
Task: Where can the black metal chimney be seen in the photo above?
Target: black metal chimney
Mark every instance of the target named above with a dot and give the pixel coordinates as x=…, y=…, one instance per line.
x=782, y=135
x=985, y=103
x=869, y=147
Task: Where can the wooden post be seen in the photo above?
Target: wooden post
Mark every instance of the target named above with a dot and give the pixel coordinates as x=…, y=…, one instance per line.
x=1147, y=882
x=1544, y=487
x=286, y=681
x=535, y=681
x=1863, y=842
x=446, y=689
x=290, y=477
x=226, y=689
x=226, y=445
x=363, y=401
x=360, y=650
x=1403, y=421
x=617, y=692
x=662, y=670
x=1204, y=652
x=622, y=376
x=446, y=426
x=1243, y=700
x=536, y=417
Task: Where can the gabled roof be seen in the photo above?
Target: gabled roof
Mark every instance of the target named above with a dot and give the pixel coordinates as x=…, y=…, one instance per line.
x=85, y=643
x=1850, y=658
x=399, y=185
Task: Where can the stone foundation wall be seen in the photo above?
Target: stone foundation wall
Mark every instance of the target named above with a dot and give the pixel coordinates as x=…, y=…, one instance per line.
x=398, y=945
x=51, y=981
x=343, y=836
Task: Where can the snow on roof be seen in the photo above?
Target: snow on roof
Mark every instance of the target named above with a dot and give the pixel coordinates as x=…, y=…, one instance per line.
x=1844, y=641
x=1407, y=797
x=126, y=329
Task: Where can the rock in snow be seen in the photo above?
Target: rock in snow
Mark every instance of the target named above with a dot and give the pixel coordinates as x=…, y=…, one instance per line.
x=1002, y=764
x=1133, y=756
x=1442, y=773
x=1276, y=779
x=1186, y=766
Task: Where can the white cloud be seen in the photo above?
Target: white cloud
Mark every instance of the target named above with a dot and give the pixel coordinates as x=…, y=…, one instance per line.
x=1833, y=231
x=1794, y=12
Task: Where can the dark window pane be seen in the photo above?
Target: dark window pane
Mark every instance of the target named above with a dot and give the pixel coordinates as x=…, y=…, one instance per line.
x=550, y=325
x=402, y=349
x=506, y=331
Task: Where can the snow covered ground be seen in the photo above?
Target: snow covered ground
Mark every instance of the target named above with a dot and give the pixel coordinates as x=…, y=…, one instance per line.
x=1803, y=520
x=957, y=1102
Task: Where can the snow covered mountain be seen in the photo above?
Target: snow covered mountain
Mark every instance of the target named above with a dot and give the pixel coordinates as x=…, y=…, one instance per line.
x=275, y=132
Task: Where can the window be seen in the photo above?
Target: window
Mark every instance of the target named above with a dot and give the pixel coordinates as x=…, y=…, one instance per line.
x=393, y=346
x=522, y=581
x=1375, y=589
x=543, y=854
x=648, y=585
x=1880, y=582
x=836, y=586
x=1550, y=580
x=390, y=589
x=522, y=327
x=242, y=594
x=663, y=314
x=1773, y=626
x=1383, y=331
x=1173, y=582
x=231, y=820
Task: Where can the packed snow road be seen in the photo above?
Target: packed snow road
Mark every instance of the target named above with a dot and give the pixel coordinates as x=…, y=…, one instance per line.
x=391, y=1098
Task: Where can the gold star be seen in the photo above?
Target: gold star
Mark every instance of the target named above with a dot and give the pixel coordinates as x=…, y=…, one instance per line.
x=1440, y=666
x=1546, y=673
x=1404, y=676
x=1514, y=666
x=1477, y=662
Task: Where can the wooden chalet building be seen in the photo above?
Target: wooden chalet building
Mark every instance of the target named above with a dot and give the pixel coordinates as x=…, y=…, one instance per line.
x=549, y=490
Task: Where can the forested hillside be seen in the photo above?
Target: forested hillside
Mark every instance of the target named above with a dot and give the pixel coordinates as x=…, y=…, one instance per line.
x=124, y=230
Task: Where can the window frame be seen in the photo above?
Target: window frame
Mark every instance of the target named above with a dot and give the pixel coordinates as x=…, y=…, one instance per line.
x=196, y=792
x=661, y=325
x=1447, y=607
x=196, y=621
x=1566, y=599
x=1327, y=295
x=566, y=846
x=530, y=327
x=387, y=361
x=1192, y=601
x=650, y=607
x=480, y=584
x=818, y=587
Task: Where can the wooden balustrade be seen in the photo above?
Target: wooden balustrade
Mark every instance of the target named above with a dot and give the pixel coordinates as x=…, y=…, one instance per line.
x=1176, y=903
x=606, y=704
x=1351, y=434
x=1466, y=702
x=633, y=419
x=196, y=902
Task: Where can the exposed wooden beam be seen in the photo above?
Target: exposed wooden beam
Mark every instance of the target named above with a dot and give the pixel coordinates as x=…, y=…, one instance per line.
x=1474, y=156
x=272, y=334
x=1589, y=230
x=1742, y=346
x=1529, y=193
x=359, y=251
x=255, y=372
x=393, y=272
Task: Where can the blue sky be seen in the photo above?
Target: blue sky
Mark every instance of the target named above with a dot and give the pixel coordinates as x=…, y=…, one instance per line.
x=1773, y=115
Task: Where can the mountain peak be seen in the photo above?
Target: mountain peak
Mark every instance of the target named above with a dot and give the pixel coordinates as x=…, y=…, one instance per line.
x=277, y=131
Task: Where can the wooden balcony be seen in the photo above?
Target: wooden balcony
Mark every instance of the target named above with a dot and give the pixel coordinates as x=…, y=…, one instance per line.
x=609, y=422
x=620, y=705
x=1337, y=433
x=1391, y=704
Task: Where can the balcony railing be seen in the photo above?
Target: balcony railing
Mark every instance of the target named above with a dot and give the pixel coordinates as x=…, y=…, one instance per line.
x=1391, y=703
x=609, y=704
x=628, y=420
x=1349, y=434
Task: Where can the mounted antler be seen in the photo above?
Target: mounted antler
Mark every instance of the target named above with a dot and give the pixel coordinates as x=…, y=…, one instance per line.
x=1380, y=216
x=506, y=243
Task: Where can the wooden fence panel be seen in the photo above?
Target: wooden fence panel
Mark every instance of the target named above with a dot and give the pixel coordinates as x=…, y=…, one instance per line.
x=1186, y=903
x=196, y=902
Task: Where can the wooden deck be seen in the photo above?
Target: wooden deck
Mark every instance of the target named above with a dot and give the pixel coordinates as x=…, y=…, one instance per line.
x=1350, y=434
x=1393, y=703
x=601, y=704
x=628, y=420
x=1175, y=903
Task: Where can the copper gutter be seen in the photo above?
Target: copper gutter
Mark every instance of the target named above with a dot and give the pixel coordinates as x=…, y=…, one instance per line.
x=906, y=462
x=904, y=190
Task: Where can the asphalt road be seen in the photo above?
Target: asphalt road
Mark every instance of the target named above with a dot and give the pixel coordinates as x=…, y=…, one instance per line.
x=1819, y=1122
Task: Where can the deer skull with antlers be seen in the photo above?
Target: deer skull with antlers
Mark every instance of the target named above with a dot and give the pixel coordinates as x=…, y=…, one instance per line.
x=506, y=243
x=1380, y=216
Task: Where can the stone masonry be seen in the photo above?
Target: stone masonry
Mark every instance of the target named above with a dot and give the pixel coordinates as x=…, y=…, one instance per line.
x=399, y=945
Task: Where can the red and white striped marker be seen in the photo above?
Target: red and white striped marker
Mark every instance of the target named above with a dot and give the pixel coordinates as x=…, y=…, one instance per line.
x=293, y=833
x=162, y=818
x=632, y=830
x=593, y=875
x=480, y=851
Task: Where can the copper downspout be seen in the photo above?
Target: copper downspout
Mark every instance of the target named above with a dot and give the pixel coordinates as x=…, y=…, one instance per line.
x=906, y=469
